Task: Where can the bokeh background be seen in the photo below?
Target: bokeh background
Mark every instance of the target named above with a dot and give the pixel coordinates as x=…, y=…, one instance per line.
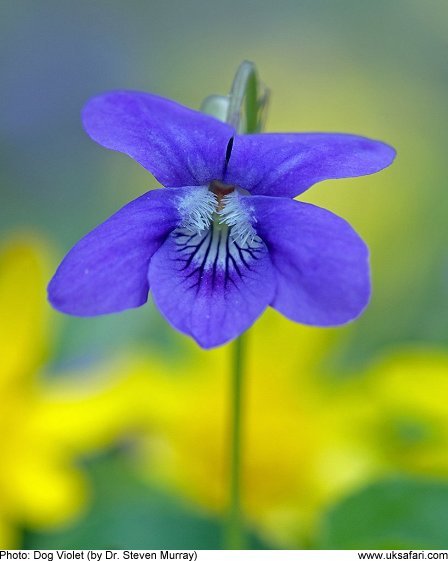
x=113, y=431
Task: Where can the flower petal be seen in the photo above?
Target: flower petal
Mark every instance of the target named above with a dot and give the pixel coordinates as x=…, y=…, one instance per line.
x=177, y=145
x=322, y=264
x=106, y=271
x=285, y=165
x=209, y=286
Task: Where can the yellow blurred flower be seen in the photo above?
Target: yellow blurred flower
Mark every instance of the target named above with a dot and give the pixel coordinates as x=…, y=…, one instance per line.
x=310, y=437
x=46, y=421
x=297, y=455
x=410, y=388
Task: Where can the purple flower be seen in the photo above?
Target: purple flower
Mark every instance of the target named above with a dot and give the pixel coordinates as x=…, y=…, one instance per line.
x=226, y=238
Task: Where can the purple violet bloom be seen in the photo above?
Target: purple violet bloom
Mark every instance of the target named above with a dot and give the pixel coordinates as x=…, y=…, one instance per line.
x=225, y=238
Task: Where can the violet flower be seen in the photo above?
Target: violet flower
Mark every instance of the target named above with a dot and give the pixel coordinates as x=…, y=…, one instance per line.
x=225, y=238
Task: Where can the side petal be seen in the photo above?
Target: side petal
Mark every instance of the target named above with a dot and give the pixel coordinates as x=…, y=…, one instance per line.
x=177, y=145
x=209, y=286
x=285, y=165
x=322, y=264
x=107, y=270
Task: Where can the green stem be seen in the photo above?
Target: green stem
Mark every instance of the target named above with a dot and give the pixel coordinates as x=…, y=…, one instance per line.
x=246, y=110
x=235, y=537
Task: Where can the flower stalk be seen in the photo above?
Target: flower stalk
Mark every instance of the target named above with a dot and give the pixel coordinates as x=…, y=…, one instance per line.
x=246, y=110
x=235, y=535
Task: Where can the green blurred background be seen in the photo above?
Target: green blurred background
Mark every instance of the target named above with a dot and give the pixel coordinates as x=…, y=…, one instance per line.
x=113, y=430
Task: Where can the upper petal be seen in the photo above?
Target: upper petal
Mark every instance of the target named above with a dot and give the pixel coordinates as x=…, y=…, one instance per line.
x=177, y=145
x=322, y=264
x=287, y=164
x=106, y=271
x=211, y=287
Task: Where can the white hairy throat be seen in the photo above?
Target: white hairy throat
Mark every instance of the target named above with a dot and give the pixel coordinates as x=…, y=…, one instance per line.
x=219, y=205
